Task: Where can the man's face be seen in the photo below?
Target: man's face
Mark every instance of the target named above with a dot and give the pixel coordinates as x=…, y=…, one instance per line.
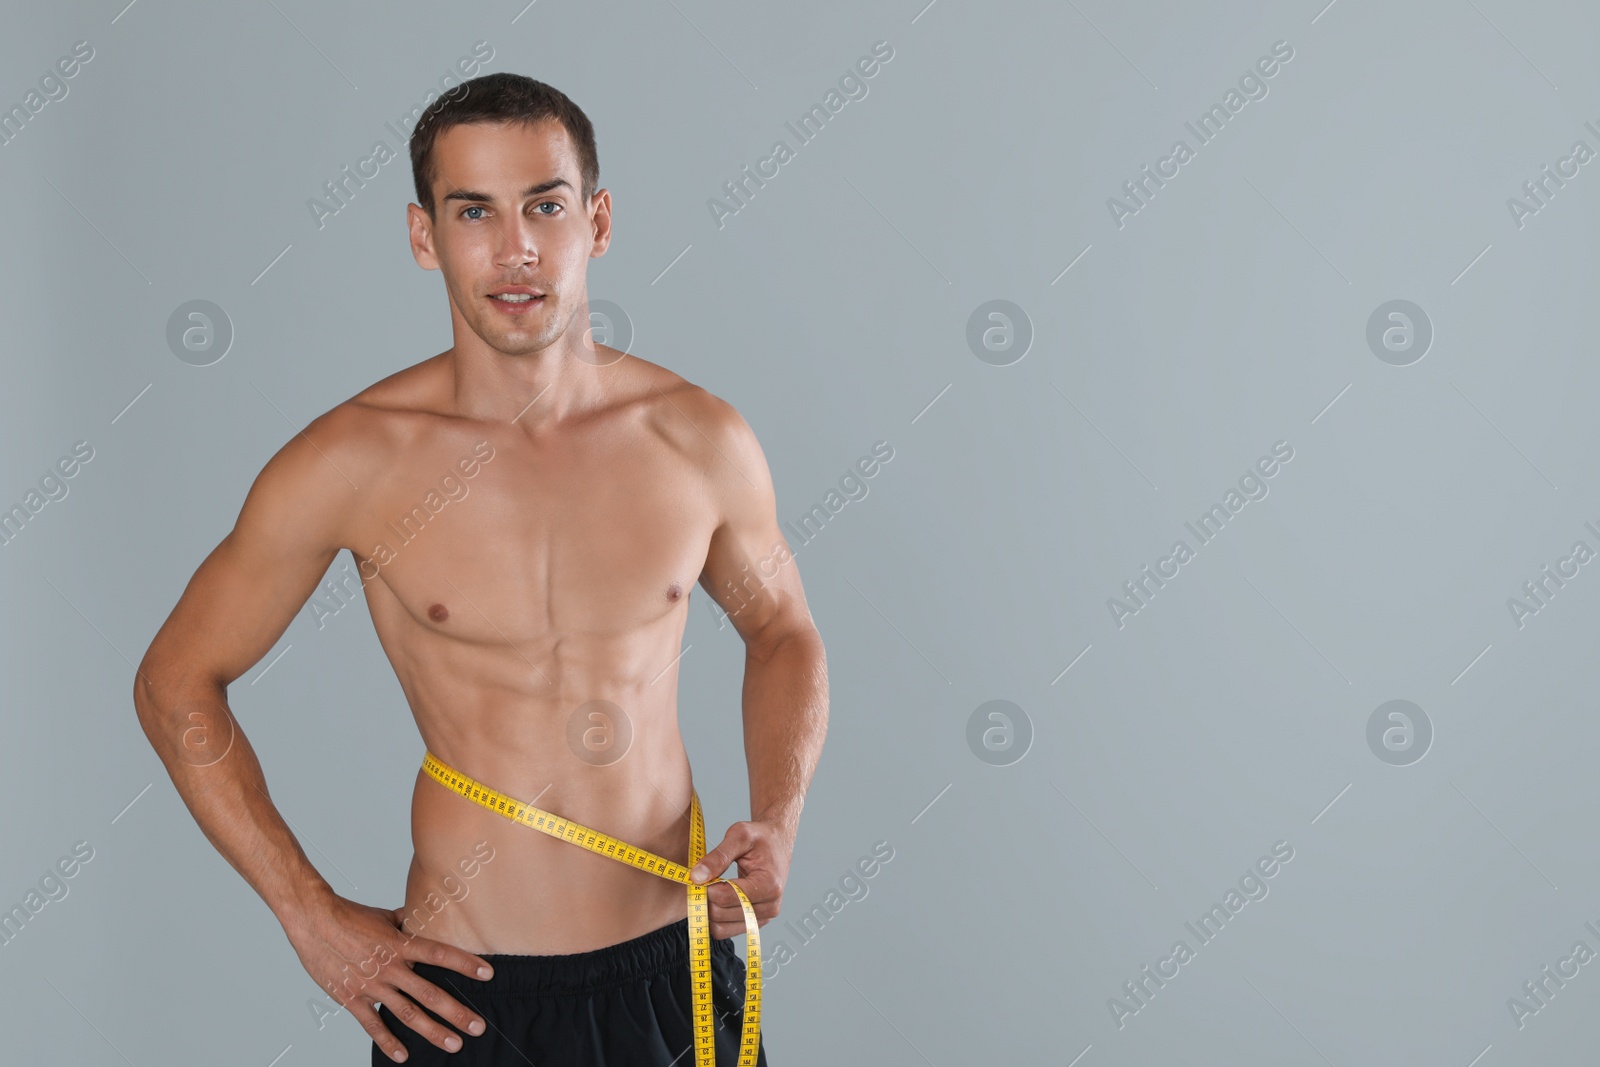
x=508, y=213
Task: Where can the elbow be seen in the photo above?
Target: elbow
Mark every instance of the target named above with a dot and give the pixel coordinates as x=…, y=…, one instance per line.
x=185, y=718
x=141, y=688
x=147, y=691
x=151, y=681
x=159, y=688
x=800, y=638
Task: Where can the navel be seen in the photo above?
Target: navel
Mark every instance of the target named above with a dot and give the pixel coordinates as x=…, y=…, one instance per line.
x=438, y=613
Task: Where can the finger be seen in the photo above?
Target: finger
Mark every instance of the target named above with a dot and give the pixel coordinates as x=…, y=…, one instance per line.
x=711, y=865
x=730, y=916
x=757, y=885
x=724, y=912
x=438, y=1001
x=723, y=895
x=759, y=890
x=426, y=950
x=765, y=909
x=724, y=930
x=362, y=1011
x=735, y=914
x=419, y=1022
x=765, y=913
x=733, y=845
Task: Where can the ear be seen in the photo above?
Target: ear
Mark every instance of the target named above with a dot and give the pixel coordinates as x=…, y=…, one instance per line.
x=421, y=229
x=600, y=219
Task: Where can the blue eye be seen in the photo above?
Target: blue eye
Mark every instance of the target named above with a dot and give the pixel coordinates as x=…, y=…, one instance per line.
x=474, y=207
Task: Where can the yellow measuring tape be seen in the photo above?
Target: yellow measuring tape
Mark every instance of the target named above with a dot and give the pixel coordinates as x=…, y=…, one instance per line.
x=699, y=916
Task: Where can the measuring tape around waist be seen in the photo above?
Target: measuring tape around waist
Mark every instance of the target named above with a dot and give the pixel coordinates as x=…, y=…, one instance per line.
x=699, y=915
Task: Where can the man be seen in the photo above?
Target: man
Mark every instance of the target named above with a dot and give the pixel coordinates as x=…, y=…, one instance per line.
x=534, y=621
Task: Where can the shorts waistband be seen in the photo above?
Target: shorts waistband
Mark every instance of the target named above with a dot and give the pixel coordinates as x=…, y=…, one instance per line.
x=663, y=949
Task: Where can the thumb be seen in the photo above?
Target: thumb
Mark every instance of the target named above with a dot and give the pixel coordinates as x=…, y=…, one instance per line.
x=397, y=917
x=713, y=863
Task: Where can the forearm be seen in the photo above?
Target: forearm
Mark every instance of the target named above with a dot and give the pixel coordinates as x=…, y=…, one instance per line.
x=785, y=718
x=219, y=778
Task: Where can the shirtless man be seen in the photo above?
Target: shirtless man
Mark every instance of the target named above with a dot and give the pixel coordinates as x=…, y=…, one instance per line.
x=544, y=601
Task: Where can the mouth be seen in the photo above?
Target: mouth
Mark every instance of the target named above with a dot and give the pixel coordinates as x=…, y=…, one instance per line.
x=517, y=299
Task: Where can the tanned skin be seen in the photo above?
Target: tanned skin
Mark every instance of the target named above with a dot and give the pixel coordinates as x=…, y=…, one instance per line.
x=562, y=577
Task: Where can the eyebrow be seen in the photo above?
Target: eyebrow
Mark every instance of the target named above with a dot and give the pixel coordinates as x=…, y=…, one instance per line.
x=532, y=190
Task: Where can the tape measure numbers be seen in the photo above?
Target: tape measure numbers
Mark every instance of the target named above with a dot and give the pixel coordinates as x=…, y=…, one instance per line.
x=699, y=914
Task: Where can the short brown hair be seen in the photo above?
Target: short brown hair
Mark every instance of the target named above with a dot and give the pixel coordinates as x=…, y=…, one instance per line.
x=495, y=98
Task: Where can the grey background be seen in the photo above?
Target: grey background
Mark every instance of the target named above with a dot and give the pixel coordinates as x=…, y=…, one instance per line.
x=1230, y=313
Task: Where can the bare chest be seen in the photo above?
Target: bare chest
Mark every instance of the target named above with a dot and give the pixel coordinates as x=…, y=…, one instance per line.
x=490, y=539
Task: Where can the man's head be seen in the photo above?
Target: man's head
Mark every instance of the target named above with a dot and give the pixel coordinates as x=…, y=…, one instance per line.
x=500, y=98
x=505, y=170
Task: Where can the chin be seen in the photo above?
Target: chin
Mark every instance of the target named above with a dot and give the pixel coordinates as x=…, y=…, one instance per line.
x=524, y=344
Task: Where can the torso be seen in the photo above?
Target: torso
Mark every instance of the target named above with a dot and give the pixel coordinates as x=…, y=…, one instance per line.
x=556, y=575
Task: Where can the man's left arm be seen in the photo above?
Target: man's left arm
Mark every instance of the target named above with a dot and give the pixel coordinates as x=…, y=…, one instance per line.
x=751, y=574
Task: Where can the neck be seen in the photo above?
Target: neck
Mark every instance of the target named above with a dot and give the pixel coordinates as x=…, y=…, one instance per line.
x=535, y=389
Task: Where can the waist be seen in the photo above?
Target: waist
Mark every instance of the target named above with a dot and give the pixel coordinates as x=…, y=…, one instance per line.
x=599, y=842
x=481, y=881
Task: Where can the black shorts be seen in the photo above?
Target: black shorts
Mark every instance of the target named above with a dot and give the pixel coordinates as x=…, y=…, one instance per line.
x=625, y=1005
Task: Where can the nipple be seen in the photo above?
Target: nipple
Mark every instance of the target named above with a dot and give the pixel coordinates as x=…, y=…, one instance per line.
x=438, y=613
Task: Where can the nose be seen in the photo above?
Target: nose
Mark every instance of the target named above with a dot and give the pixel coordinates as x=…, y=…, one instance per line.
x=517, y=246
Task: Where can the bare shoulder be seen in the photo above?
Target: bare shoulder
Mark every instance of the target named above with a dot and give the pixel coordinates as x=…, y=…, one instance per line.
x=387, y=414
x=327, y=466
x=704, y=427
x=417, y=390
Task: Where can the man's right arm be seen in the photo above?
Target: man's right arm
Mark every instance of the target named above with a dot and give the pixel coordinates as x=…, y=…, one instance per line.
x=237, y=605
x=240, y=601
